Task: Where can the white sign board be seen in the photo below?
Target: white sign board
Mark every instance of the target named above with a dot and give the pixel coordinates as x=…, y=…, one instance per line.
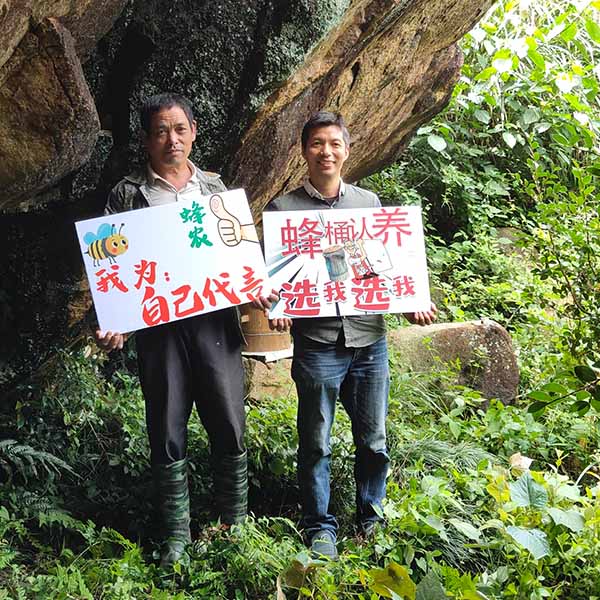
x=160, y=264
x=347, y=262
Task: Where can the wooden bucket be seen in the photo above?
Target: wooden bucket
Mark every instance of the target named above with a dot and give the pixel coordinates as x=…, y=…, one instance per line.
x=259, y=338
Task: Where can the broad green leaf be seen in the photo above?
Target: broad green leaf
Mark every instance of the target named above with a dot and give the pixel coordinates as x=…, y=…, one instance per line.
x=536, y=407
x=540, y=396
x=571, y=519
x=537, y=59
x=485, y=74
x=531, y=115
x=494, y=188
x=533, y=540
x=435, y=523
x=585, y=374
x=565, y=82
x=581, y=407
x=467, y=529
x=394, y=579
x=527, y=493
x=593, y=30
x=509, y=139
x=503, y=65
x=567, y=491
x=437, y=142
x=581, y=117
x=569, y=33
x=482, y=116
x=555, y=388
x=430, y=588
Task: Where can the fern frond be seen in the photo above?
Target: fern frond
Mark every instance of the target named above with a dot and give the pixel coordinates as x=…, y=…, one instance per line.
x=26, y=461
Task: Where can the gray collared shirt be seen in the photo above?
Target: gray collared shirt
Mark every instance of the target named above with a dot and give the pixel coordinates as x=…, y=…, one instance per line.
x=158, y=190
x=357, y=332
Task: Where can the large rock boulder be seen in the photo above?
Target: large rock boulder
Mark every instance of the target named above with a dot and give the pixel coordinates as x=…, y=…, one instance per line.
x=47, y=112
x=387, y=66
x=256, y=70
x=481, y=350
x=88, y=20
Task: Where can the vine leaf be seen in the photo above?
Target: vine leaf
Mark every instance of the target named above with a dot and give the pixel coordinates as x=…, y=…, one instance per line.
x=533, y=540
x=571, y=519
x=525, y=492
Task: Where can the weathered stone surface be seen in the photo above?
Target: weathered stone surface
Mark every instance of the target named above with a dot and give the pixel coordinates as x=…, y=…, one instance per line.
x=388, y=67
x=225, y=56
x=269, y=380
x=44, y=295
x=254, y=71
x=483, y=349
x=88, y=20
x=47, y=114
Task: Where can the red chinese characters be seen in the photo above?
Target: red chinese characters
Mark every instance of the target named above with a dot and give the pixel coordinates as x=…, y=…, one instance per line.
x=303, y=239
x=146, y=272
x=301, y=299
x=388, y=221
x=370, y=294
x=339, y=232
x=155, y=309
x=183, y=301
x=184, y=305
x=403, y=286
x=334, y=291
x=108, y=280
x=253, y=286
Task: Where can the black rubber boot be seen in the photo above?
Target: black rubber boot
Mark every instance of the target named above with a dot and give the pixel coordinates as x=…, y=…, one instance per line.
x=231, y=487
x=174, y=504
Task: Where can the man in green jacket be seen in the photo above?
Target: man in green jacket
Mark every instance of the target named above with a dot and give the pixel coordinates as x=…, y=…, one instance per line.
x=191, y=361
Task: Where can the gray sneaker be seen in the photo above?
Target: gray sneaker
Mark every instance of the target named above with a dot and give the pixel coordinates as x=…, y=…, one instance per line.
x=322, y=545
x=368, y=529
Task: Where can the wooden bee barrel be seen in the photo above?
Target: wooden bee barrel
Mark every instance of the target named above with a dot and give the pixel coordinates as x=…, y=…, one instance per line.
x=259, y=338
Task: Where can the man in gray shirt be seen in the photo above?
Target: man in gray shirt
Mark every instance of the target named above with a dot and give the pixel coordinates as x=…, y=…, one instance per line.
x=343, y=357
x=192, y=361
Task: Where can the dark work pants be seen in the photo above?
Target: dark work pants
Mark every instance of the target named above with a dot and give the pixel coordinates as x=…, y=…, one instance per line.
x=193, y=361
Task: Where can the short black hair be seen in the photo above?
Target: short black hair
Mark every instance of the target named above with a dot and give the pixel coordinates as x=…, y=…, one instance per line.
x=159, y=102
x=324, y=118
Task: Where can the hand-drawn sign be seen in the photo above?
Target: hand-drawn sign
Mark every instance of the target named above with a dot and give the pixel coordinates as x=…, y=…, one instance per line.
x=174, y=263
x=347, y=262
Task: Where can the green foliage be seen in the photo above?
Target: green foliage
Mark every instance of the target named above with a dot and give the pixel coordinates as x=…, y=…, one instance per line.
x=484, y=500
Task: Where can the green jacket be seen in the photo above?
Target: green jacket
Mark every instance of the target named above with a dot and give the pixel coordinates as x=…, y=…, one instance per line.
x=128, y=194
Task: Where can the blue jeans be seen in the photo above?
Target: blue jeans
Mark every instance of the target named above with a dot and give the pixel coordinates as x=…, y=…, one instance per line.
x=360, y=378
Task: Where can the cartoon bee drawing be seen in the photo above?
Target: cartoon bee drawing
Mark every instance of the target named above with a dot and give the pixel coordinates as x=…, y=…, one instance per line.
x=106, y=243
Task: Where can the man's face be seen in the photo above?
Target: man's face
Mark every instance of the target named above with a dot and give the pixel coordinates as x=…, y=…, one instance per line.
x=325, y=152
x=169, y=141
